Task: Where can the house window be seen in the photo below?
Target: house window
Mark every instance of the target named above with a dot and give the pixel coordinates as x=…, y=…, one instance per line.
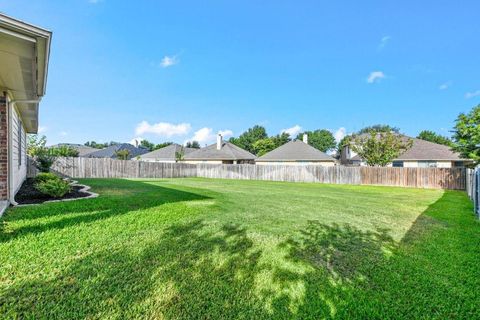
x=460, y=164
x=427, y=164
x=397, y=164
x=19, y=142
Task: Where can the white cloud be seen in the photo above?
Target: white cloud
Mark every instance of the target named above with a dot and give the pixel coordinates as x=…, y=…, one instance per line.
x=445, y=86
x=469, y=95
x=42, y=129
x=339, y=134
x=226, y=133
x=164, y=129
x=169, y=61
x=293, y=131
x=136, y=141
x=205, y=135
x=375, y=76
x=384, y=41
x=63, y=133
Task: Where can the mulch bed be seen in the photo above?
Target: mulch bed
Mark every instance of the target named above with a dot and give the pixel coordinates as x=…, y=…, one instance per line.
x=29, y=195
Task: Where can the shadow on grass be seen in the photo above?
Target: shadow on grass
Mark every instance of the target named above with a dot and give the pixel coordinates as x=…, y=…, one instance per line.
x=193, y=272
x=174, y=277
x=125, y=196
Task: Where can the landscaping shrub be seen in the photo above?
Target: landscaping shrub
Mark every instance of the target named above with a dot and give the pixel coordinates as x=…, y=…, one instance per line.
x=56, y=188
x=44, y=159
x=45, y=176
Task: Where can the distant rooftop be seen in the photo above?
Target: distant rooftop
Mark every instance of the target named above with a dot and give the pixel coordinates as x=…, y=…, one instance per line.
x=228, y=151
x=111, y=151
x=295, y=150
x=168, y=153
x=83, y=150
x=426, y=150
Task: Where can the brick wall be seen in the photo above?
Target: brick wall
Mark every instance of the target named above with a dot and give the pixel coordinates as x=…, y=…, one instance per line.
x=3, y=149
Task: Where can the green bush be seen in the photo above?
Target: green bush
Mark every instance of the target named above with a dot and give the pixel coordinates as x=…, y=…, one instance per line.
x=46, y=176
x=56, y=188
x=63, y=151
x=44, y=159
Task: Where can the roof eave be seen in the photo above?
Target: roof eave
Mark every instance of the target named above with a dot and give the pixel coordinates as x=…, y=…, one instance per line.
x=42, y=39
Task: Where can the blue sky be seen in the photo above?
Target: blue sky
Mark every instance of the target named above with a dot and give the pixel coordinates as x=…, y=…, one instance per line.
x=182, y=69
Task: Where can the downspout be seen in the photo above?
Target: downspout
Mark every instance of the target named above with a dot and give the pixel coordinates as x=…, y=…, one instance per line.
x=10, y=107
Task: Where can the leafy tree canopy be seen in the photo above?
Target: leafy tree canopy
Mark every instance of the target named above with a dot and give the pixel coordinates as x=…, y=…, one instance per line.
x=280, y=139
x=431, y=136
x=249, y=137
x=466, y=134
x=147, y=145
x=379, y=128
x=320, y=139
x=63, y=151
x=122, y=154
x=380, y=148
x=263, y=146
x=193, y=144
x=35, y=144
x=96, y=145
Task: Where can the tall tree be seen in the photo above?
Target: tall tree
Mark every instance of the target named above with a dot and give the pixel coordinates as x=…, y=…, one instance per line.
x=249, y=137
x=379, y=128
x=193, y=144
x=431, y=136
x=466, y=134
x=280, y=139
x=96, y=145
x=263, y=146
x=380, y=148
x=320, y=139
x=162, y=145
x=147, y=145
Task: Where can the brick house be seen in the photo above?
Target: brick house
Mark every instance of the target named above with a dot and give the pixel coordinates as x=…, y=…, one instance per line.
x=24, y=53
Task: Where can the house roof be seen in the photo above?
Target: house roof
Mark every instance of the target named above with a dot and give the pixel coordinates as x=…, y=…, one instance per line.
x=426, y=150
x=24, y=55
x=228, y=151
x=168, y=152
x=83, y=150
x=111, y=152
x=295, y=150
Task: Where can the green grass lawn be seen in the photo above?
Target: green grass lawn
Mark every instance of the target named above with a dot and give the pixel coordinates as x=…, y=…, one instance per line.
x=224, y=249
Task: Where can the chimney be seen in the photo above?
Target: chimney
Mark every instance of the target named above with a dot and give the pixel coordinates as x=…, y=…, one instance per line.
x=219, y=141
x=305, y=138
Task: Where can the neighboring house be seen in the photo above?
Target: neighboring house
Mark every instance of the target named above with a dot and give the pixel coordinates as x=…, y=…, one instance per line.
x=111, y=151
x=24, y=53
x=422, y=154
x=220, y=152
x=296, y=152
x=172, y=153
x=83, y=151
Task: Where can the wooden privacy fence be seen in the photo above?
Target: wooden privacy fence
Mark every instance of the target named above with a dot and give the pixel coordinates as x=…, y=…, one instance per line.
x=110, y=168
x=440, y=178
x=444, y=178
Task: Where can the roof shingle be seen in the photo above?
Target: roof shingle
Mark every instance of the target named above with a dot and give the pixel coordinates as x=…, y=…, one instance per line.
x=228, y=151
x=111, y=152
x=426, y=150
x=296, y=150
x=168, y=153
